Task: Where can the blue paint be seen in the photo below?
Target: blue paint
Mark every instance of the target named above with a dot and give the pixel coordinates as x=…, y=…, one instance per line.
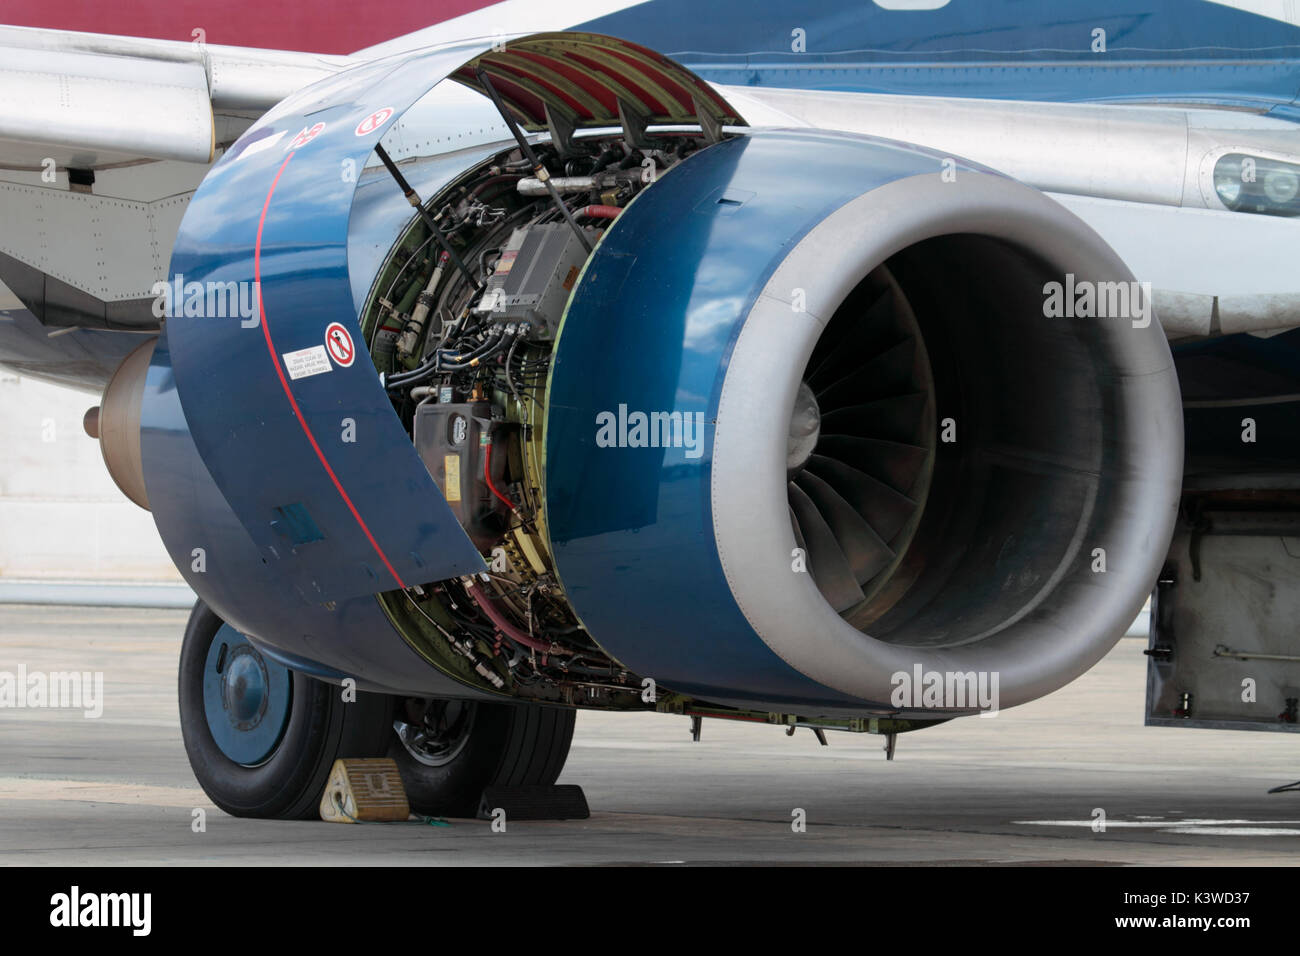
x=296, y=523
x=1184, y=51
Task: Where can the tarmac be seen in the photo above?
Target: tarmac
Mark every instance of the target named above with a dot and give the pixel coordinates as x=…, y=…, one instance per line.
x=1030, y=786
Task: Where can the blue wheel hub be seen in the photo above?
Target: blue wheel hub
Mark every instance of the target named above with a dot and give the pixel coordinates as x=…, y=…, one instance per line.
x=246, y=698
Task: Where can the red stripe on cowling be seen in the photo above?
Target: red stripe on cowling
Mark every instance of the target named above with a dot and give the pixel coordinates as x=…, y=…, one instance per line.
x=284, y=383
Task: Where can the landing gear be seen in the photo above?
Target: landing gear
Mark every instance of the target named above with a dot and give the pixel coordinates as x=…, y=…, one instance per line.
x=261, y=738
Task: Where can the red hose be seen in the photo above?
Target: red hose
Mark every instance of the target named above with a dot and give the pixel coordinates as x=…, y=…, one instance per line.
x=487, y=474
x=601, y=212
x=509, y=630
x=485, y=604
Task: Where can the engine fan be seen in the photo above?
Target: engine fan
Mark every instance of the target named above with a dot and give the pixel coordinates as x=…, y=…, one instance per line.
x=862, y=444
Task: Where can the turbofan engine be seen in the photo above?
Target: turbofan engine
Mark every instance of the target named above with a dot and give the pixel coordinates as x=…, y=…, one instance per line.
x=761, y=419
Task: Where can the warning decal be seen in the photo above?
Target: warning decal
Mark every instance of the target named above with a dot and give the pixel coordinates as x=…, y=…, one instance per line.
x=305, y=137
x=307, y=362
x=374, y=121
x=451, y=464
x=339, y=342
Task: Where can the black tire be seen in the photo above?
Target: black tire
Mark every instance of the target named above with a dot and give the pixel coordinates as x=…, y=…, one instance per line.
x=507, y=744
x=320, y=728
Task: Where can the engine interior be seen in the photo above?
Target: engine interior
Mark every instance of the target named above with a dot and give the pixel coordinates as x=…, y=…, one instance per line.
x=465, y=354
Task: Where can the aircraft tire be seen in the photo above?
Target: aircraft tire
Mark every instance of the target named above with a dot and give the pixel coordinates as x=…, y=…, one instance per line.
x=274, y=763
x=479, y=745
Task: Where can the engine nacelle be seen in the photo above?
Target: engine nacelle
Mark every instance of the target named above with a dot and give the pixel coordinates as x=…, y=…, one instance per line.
x=906, y=466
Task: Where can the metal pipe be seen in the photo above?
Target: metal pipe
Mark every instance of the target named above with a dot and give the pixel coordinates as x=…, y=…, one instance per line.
x=1223, y=650
x=562, y=184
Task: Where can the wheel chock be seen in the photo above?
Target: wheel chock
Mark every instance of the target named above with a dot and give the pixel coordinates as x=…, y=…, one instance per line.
x=364, y=791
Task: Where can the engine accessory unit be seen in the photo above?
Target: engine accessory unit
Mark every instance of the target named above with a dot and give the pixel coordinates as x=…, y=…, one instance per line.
x=453, y=441
x=534, y=275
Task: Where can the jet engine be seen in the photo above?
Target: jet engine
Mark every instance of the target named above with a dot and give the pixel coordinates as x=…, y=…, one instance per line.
x=648, y=407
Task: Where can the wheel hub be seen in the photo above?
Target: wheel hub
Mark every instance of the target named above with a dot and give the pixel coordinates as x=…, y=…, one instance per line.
x=436, y=736
x=246, y=698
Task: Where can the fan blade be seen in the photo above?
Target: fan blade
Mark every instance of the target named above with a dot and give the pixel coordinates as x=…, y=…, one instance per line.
x=895, y=463
x=847, y=339
x=898, y=418
x=889, y=373
x=885, y=509
x=866, y=553
x=830, y=569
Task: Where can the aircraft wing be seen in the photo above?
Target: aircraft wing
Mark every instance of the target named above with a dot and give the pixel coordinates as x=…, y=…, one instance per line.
x=102, y=141
x=86, y=100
